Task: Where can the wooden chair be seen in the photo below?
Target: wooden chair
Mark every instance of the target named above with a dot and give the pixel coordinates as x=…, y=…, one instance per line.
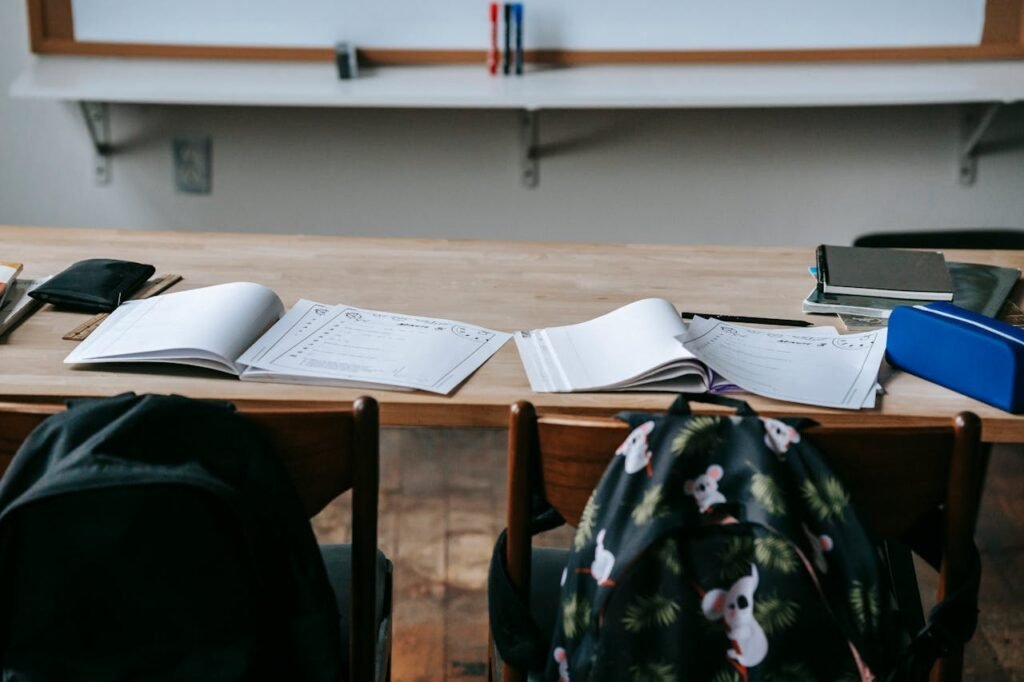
x=327, y=452
x=945, y=239
x=900, y=479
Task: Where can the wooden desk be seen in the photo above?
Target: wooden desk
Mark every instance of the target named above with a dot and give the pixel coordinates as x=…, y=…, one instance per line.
x=503, y=285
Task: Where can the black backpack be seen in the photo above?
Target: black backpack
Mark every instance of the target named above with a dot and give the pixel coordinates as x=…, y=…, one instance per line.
x=157, y=538
x=723, y=548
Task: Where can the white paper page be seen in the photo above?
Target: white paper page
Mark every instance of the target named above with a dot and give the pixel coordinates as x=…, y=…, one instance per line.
x=293, y=328
x=208, y=327
x=788, y=365
x=605, y=352
x=721, y=384
x=349, y=345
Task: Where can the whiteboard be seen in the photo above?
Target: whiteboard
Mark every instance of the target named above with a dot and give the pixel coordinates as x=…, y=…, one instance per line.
x=550, y=24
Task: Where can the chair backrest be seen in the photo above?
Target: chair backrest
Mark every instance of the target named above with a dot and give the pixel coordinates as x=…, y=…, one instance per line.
x=327, y=451
x=945, y=239
x=899, y=479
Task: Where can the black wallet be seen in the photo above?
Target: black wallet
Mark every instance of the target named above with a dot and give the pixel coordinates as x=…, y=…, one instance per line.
x=96, y=285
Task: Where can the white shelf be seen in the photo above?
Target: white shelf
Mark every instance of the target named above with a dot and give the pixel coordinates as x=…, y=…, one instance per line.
x=159, y=81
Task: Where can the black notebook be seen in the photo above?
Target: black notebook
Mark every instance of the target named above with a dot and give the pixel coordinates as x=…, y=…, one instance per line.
x=889, y=273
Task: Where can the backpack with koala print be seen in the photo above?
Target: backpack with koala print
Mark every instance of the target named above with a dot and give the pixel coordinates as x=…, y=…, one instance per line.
x=722, y=548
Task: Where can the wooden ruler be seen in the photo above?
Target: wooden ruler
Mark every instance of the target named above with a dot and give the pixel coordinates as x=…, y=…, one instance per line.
x=153, y=287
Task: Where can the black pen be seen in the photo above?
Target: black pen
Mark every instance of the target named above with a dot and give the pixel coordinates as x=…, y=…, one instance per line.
x=750, y=320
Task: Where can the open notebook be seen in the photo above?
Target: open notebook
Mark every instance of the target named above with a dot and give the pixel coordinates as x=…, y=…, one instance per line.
x=633, y=348
x=240, y=328
x=645, y=346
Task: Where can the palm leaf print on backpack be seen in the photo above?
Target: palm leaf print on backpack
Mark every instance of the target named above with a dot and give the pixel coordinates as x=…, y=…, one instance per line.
x=653, y=611
x=767, y=492
x=649, y=506
x=575, y=616
x=775, y=553
x=827, y=500
x=864, y=605
x=652, y=672
x=735, y=558
x=775, y=614
x=585, y=529
x=668, y=555
x=699, y=436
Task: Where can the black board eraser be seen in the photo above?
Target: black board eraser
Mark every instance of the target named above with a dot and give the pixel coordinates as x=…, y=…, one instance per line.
x=348, y=64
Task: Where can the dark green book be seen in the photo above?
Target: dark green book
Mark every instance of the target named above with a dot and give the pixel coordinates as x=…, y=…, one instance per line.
x=884, y=273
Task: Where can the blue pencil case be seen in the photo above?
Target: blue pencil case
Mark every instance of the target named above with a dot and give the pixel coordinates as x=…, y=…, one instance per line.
x=961, y=350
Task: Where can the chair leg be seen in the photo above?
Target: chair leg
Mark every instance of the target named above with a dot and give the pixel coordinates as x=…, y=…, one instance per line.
x=490, y=656
x=949, y=668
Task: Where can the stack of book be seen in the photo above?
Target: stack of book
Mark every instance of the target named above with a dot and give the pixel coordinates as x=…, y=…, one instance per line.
x=15, y=303
x=8, y=273
x=869, y=282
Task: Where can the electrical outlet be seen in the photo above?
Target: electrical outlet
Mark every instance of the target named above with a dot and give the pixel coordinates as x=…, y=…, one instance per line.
x=192, y=169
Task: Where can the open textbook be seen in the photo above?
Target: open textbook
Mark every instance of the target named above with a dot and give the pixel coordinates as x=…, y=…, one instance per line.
x=646, y=346
x=241, y=328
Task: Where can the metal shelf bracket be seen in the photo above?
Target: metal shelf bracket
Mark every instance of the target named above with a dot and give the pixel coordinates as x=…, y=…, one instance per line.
x=97, y=121
x=529, y=148
x=973, y=127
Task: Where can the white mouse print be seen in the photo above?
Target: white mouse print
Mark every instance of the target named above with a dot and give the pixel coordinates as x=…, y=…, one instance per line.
x=704, y=488
x=601, y=567
x=736, y=606
x=603, y=563
x=562, y=658
x=779, y=436
x=635, y=450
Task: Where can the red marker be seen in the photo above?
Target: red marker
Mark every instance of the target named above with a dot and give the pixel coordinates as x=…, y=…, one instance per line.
x=492, y=53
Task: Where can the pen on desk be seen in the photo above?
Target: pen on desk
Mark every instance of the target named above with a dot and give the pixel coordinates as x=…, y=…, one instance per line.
x=750, y=320
x=517, y=10
x=506, y=67
x=492, y=53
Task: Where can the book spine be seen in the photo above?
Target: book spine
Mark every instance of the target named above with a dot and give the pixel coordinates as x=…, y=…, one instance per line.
x=822, y=266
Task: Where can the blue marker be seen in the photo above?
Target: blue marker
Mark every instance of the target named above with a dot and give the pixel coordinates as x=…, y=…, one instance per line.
x=517, y=9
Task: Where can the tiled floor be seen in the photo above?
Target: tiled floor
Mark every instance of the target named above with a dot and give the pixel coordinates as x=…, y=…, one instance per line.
x=442, y=505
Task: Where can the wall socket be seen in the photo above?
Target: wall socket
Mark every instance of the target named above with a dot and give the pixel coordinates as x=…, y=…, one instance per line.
x=192, y=164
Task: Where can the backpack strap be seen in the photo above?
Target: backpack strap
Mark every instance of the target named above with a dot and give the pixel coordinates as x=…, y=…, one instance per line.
x=681, y=406
x=518, y=638
x=951, y=623
x=516, y=635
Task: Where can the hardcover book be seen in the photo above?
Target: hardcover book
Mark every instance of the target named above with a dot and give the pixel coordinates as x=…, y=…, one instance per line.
x=888, y=273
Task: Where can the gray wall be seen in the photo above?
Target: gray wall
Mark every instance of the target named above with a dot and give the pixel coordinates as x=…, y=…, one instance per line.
x=792, y=176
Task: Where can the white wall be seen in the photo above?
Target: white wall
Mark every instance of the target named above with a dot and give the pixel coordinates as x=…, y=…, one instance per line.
x=759, y=177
